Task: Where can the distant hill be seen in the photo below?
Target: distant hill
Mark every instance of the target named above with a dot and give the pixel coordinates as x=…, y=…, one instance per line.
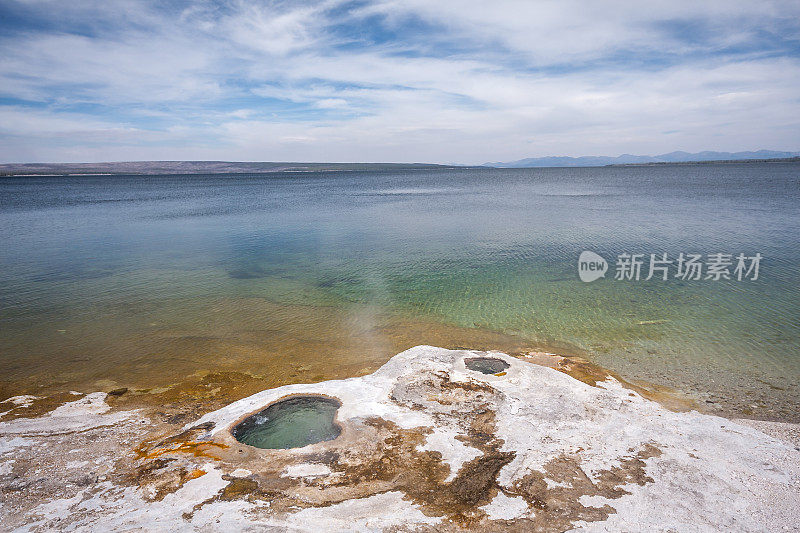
x=196, y=167
x=627, y=159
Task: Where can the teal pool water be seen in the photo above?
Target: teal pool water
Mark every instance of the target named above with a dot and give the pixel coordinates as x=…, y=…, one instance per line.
x=139, y=280
x=290, y=423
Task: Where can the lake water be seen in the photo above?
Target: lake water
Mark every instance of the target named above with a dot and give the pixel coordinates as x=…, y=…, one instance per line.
x=140, y=281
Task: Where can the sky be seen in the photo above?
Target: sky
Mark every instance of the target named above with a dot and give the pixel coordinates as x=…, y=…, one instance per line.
x=463, y=82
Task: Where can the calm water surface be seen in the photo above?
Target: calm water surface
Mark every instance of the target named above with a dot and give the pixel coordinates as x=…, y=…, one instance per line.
x=142, y=280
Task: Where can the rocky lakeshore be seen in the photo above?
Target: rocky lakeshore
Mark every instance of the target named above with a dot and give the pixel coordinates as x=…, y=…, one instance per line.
x=425, y=443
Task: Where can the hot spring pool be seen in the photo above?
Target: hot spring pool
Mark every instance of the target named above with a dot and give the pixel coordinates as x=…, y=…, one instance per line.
x=486, y=365
x=290, y=423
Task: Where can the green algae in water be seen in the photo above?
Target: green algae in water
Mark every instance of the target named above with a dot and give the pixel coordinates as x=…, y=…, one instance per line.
x=290, y=423
x=486, y=365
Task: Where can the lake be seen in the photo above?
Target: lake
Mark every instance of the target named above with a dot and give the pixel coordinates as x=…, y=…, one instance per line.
x=140, y=281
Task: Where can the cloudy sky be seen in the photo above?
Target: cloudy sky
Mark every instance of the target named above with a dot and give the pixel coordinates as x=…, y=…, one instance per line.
x=418, y=80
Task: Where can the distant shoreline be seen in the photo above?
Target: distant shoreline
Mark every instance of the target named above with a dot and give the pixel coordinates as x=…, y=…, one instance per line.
x=197, y=167
x=149, y=168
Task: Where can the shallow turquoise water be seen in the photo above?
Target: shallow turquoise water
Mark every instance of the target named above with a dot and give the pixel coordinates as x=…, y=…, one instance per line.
x=89, y=263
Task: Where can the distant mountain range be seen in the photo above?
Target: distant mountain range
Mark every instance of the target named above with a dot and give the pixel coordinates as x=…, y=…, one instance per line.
x=627, y=159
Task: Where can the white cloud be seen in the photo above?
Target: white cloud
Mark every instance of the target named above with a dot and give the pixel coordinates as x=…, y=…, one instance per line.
x=505, y=80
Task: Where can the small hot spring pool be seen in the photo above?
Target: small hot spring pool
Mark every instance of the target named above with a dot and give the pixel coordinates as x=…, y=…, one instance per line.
x=290, y=423
x=486, y=365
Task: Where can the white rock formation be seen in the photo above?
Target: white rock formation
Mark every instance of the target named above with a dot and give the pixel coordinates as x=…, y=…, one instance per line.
x=428, y=443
